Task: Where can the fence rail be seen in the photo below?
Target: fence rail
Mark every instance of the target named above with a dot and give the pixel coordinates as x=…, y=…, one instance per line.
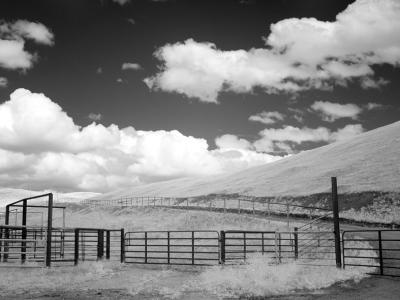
x=172, y=247
x=242, y=204
x=380, y=255
x=21, y=244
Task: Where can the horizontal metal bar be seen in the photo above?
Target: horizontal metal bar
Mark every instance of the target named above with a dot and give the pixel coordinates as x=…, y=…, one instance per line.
x=369, y=266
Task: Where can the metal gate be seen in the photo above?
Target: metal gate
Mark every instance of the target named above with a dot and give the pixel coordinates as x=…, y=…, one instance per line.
x=172, y=247
x=241, y=245
x=376, y=250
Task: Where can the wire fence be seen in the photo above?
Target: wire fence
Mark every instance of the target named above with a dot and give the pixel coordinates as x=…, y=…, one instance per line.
x=243, y=204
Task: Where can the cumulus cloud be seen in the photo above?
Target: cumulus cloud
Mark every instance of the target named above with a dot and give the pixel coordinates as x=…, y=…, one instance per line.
x=3, y=82
x=300, y=54
x=95, y=117
x=267, y=117
x=121, y=2
x=34, y=31
x=230, y=141
x=131, y=21
x=332, y=111
x=12, y=43
x=280, y=138
x=41, y=147
x=131, y=66
x=373, y=105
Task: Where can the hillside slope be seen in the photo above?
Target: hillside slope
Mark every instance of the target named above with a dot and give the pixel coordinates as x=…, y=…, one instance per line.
x=368, y=162
x=8, y=195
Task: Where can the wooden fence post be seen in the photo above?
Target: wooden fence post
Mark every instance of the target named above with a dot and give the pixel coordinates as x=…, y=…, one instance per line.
x=335, y=209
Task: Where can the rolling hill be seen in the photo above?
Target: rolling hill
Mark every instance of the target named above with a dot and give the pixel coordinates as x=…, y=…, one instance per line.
x=368, y=162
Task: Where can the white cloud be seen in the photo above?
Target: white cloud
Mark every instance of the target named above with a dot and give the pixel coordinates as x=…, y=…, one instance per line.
x=120, y=80
x=131, y=66
x=13, y=55
x=373, y=105
x=121, y=2
x=272, y=139
x=267, y=117
x=12, y=43
x=230, y=141
x=370, y=83
x=300, y=54
x=41, y=147
x=332, y=111
x=3, y=82
x=34, y=31
x=131, y=21
x=99, y=70
x=347, y=132
x=95, y=117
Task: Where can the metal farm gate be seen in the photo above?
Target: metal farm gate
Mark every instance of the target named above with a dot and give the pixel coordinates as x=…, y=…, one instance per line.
x=376, y=250
x=172, y=247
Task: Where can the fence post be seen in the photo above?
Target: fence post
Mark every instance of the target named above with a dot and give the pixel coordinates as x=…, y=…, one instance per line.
x=262, y=243
x=192, y=247
x=287, y=212
x=335, y=209
x=23, y=243
x=169, y=247
x=296, y=243
x=280, y=247
x=122, y=245
x=100, y=244
x=108, y=244
x=76, y=247
x=380, y=252
x=49, y=229
x=145, y=247
x=222, y=245
x=244, y=245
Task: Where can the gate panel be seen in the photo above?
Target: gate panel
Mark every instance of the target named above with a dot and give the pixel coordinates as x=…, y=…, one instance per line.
x=240, y=245
x=172, y=247
x=378, y=251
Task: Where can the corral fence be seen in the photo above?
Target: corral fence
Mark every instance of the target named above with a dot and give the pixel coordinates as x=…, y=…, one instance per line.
x=242, y=204
x=379, y=256
x=21, y=245
x=317, y=242
x=227, y=247
x=173, y=247
x=40, y=243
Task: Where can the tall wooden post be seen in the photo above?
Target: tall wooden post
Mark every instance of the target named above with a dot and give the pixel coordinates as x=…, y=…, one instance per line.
x=335, y=210
x=49, y=229
x=76, y=247
x=222, y=245
x=122, y=245
x=23, y=243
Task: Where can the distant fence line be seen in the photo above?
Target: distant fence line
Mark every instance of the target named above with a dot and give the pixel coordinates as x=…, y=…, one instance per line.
x=242, y=204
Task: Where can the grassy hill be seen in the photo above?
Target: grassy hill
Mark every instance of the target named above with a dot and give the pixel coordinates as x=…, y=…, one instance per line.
x=368, y=162
x=8, y=195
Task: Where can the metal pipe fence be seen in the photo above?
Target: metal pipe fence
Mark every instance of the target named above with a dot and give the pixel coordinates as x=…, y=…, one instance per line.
x=20, y=245
x=243, y=204
x=378, y=251
x=172, y=247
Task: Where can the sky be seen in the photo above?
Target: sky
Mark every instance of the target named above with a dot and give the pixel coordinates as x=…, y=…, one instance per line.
x=103, y=95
